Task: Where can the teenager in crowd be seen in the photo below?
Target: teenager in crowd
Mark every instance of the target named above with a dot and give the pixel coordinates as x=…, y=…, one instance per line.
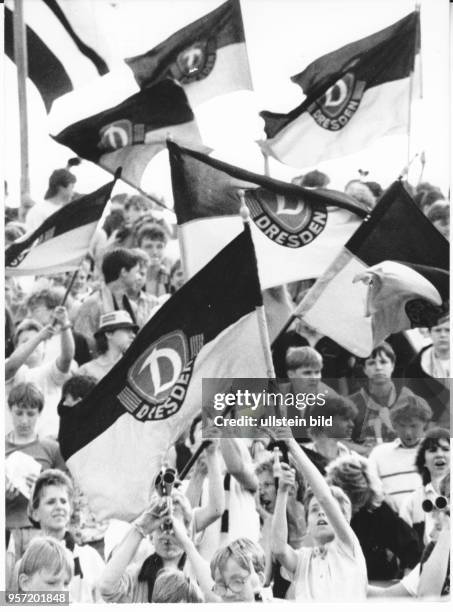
x=432, y=462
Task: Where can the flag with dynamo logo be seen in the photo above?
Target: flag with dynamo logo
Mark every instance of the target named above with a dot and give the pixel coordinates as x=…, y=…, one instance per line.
x=297, y=232
x=354, y=95
x=61, y=241
x=207, y=57
x=115, y=440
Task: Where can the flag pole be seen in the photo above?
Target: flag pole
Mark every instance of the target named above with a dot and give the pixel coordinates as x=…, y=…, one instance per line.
x=266, y=163
x=262, y=325
x=411, y=91
x=20, y=58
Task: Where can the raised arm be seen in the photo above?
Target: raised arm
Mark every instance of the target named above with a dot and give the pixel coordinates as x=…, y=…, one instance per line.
x=435, y=568
x=125, y=551
x=279, y=530
x=239, y=463
x=322, y=493
x=67, y=350
x=205, y=515
x=20, y=355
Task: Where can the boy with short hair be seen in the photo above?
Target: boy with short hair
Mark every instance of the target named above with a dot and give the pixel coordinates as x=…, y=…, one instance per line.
x=45, y=566
x=26, y=402
x=394, y=462
x=153, y=238
x=327, y=440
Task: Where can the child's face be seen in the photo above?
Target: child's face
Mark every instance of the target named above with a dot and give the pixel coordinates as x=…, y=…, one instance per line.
x=437, y=460
x=342, y=427
x=379, y=368
x=155, y=250
x=54, y=510
x=44, y=580
x=24, y=420
x=268, y=492
x=410, y=432
x=235, y=583
x=317, y=524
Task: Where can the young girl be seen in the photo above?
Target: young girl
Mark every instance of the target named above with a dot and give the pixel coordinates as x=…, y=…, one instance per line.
x=334, y=569
x=45, y=566
x=50, y=509
x=433, y=463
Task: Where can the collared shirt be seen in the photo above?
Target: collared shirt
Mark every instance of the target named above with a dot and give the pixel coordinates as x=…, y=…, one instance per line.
x=394, y=465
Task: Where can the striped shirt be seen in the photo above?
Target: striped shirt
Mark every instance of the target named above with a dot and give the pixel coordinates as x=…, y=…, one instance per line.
x=394, y=465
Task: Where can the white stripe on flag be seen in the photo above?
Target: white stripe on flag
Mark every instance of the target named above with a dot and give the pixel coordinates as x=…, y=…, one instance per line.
x=277, y=265
x=383, y=111
x=337, y=306
x=119, y=483
x=59, y=254
x=231, y=72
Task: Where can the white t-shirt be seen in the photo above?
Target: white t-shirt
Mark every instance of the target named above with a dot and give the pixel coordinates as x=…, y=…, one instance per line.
x=339, y=575
x=85, y=589
x=39, y=213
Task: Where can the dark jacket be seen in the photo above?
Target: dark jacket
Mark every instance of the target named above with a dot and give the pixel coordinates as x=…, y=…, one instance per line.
x=430, y=389
x=388, y=543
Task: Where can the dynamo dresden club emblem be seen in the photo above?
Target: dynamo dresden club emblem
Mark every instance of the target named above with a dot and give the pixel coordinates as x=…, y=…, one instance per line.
x=157, y=382
x=195, y=62
x=116, y=135
x=333, y=110
x=286, y=220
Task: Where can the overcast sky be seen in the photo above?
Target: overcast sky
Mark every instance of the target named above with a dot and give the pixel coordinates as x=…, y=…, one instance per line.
x=282, y=36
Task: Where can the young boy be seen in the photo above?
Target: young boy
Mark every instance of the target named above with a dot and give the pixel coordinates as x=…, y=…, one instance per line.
x=25, y=403
x=334, y=569
x=50, y=509
x=45, y=566
x=327, y=440
x=394, y=462
x=153, y=239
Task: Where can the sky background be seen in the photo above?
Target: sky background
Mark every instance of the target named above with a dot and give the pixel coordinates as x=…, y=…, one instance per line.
x=282, y=37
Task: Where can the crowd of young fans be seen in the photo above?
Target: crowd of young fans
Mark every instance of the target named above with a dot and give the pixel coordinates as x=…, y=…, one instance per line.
x=348, y=512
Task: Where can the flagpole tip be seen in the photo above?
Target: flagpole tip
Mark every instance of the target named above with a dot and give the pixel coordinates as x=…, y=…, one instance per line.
x=118, y=172
x=244, y=211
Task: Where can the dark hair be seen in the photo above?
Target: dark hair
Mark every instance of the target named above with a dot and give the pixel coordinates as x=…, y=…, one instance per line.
x=136, y=201
x=280, y=348
x=102, y=344
x=114, y=261
x=26, y=395
x=48, y=478
x=429, y=442
x=383, y=348
x=12, y=233
x=50, y=297
x=430, y=197
x=440, y=211
x=114, y=220
x=312, y=179
x=152, y=231
x=78, y=386
x=375, y=188
x=175, y=267
x=59, y=178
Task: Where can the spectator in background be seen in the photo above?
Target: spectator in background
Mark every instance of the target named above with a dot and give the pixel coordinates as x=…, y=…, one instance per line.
x=439, y=215
x=388, y=543
x=153, y=239
x=121, y=272
x=375, y=188
x=25, y=403
x=433, y=463
x=394, y=462
x=114, y=336
x=177, y=279
x=13, y=231
x=361, y=193
x=145, y=303
x=26, y=364
x=428, y=373
x=172, y=586
x=312, y=180
x=377, y=398
x=58, y=194
x=41, y=304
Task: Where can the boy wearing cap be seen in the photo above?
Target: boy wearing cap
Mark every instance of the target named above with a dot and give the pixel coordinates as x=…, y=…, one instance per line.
x=113, y=337
x=59, y=193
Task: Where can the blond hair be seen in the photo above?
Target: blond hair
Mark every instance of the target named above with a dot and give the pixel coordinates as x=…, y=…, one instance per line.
x=46, y=553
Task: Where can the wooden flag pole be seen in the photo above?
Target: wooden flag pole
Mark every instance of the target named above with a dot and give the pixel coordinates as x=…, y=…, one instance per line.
x=20, y=57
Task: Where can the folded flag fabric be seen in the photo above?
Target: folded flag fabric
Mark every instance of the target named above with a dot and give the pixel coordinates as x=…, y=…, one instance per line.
x=354, y=95
x=58, y=57
x=131, y=133
x=297, y=232
x=60, y=243
x=115, y=440
x=208, y=57
x=391, y=275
